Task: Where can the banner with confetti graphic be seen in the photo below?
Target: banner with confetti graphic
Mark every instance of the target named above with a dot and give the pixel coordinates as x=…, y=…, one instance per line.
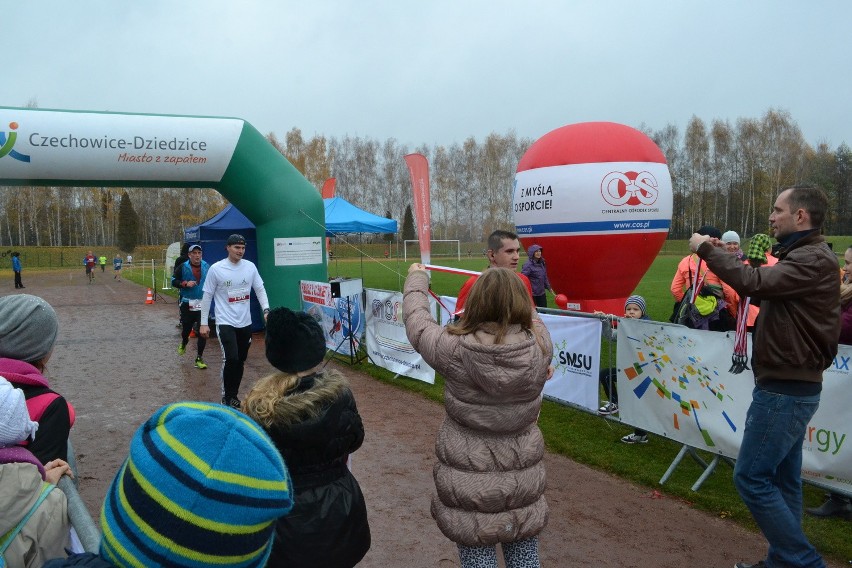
x=675, y=382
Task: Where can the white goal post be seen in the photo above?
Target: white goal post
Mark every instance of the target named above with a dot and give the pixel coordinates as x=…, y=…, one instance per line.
x=458, y=247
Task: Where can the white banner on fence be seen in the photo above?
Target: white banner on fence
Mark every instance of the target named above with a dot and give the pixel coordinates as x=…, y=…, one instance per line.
x=576, y=356
x=674, y=381
x=342, y=319
x=387, y=344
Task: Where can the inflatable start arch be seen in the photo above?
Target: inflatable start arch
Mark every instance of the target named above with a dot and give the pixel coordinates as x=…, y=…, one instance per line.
x=78, y=148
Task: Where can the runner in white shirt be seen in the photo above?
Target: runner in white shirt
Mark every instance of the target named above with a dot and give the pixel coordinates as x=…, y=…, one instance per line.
x=230, y=282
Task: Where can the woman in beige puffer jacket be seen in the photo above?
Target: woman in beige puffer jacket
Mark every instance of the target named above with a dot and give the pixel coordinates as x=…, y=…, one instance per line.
x=489, y=476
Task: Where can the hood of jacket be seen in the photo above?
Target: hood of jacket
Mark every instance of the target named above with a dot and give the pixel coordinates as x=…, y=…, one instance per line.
x=22, y=373
x=310, y=398
x=532, y=250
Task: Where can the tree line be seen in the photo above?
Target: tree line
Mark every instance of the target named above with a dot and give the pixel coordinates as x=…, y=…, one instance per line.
x=723, y=173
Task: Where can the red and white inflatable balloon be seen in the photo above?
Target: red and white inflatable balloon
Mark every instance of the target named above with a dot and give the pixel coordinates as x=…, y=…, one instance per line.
x=597, y=196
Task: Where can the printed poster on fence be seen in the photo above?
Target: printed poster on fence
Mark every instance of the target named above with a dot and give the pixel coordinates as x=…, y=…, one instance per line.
x=576, y=356
x=675, y=382
x=342, y=319
x=387, y=344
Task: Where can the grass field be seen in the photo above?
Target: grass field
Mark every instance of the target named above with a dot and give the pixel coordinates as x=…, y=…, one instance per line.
x=585, y=437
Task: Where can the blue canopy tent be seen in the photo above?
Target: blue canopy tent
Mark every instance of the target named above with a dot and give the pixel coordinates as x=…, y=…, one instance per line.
x=343, y=217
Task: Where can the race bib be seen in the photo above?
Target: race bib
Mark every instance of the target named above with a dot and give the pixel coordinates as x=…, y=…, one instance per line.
x=194, y=305
x=237, y=295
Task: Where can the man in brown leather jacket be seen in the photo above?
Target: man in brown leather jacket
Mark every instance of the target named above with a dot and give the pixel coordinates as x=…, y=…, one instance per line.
x=795, y=339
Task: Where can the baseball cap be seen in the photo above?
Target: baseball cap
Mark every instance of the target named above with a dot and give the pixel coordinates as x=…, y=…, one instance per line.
x=194, y=247
x=236, y=239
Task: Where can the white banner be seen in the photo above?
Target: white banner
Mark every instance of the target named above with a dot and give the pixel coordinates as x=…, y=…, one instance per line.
x=674, y=381
x=576, y=356
x=387, y=344
x=593, y=199
x=40, y=144
x=341, y=319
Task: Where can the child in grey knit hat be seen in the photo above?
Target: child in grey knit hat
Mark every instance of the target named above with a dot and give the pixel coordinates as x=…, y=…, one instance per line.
x=28, y=329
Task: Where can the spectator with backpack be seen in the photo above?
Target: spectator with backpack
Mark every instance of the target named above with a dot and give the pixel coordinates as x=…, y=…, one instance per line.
x=714, y=306
x=28, y=328
x=34, y=523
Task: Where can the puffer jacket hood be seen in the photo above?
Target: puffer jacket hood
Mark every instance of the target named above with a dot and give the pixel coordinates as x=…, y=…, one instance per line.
x=21, y=373
x=316, y=428
x=533, y=249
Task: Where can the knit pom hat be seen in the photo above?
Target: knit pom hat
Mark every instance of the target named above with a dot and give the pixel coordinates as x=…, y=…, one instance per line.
x=637, y=301
x=203, y=486
x=15, y=423
x=710, y=231
x=730, y=237
x=28, y=327
x=757, y=247
x=294, y=341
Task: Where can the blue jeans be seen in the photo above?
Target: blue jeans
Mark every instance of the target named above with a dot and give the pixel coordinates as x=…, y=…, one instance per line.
x=768, y=474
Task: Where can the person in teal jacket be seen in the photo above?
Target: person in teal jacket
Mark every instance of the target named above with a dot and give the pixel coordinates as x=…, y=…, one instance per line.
x=189, y=278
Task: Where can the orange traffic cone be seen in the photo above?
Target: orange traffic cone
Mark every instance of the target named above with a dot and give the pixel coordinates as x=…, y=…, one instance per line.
x=150, y=298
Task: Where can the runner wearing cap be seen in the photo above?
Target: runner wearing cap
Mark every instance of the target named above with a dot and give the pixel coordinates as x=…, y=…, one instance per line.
x=189, y=277
x=229, y=283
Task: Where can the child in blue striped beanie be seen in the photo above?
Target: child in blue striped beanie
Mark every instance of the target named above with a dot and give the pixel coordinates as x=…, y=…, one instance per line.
x=203, y=486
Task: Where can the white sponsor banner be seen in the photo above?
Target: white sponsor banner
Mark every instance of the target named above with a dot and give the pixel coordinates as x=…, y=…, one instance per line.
x=576, y=356
x=341, y=319
x=297, y=251
x=593, y=199
x=115, y=147
x=675, y=382
x=387, y=343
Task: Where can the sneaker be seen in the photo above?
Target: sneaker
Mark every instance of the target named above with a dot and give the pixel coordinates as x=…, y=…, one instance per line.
x=199, y=363
x=608, y=408
x=635, y=439
x=181, y=349
x=232, y=402
x=760, y=564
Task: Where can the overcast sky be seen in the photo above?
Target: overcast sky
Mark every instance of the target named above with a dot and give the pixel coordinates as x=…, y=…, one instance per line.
x=436, y=71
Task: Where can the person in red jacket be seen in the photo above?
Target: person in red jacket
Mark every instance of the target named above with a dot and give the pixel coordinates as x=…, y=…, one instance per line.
x=504, y=251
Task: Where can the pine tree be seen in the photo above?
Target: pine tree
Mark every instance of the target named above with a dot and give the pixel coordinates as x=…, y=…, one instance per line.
x=408, y=233
x=128, y=225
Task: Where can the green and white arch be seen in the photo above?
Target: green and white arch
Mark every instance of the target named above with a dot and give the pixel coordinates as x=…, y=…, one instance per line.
x=98, y=149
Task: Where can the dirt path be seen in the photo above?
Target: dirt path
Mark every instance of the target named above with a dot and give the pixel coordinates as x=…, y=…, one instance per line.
x=116, y=361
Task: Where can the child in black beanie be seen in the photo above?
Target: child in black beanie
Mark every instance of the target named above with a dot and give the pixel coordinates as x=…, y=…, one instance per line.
x=311, y=416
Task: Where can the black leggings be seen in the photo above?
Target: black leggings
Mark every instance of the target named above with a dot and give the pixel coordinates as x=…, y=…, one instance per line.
x=235, y=342
x=190, y=320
